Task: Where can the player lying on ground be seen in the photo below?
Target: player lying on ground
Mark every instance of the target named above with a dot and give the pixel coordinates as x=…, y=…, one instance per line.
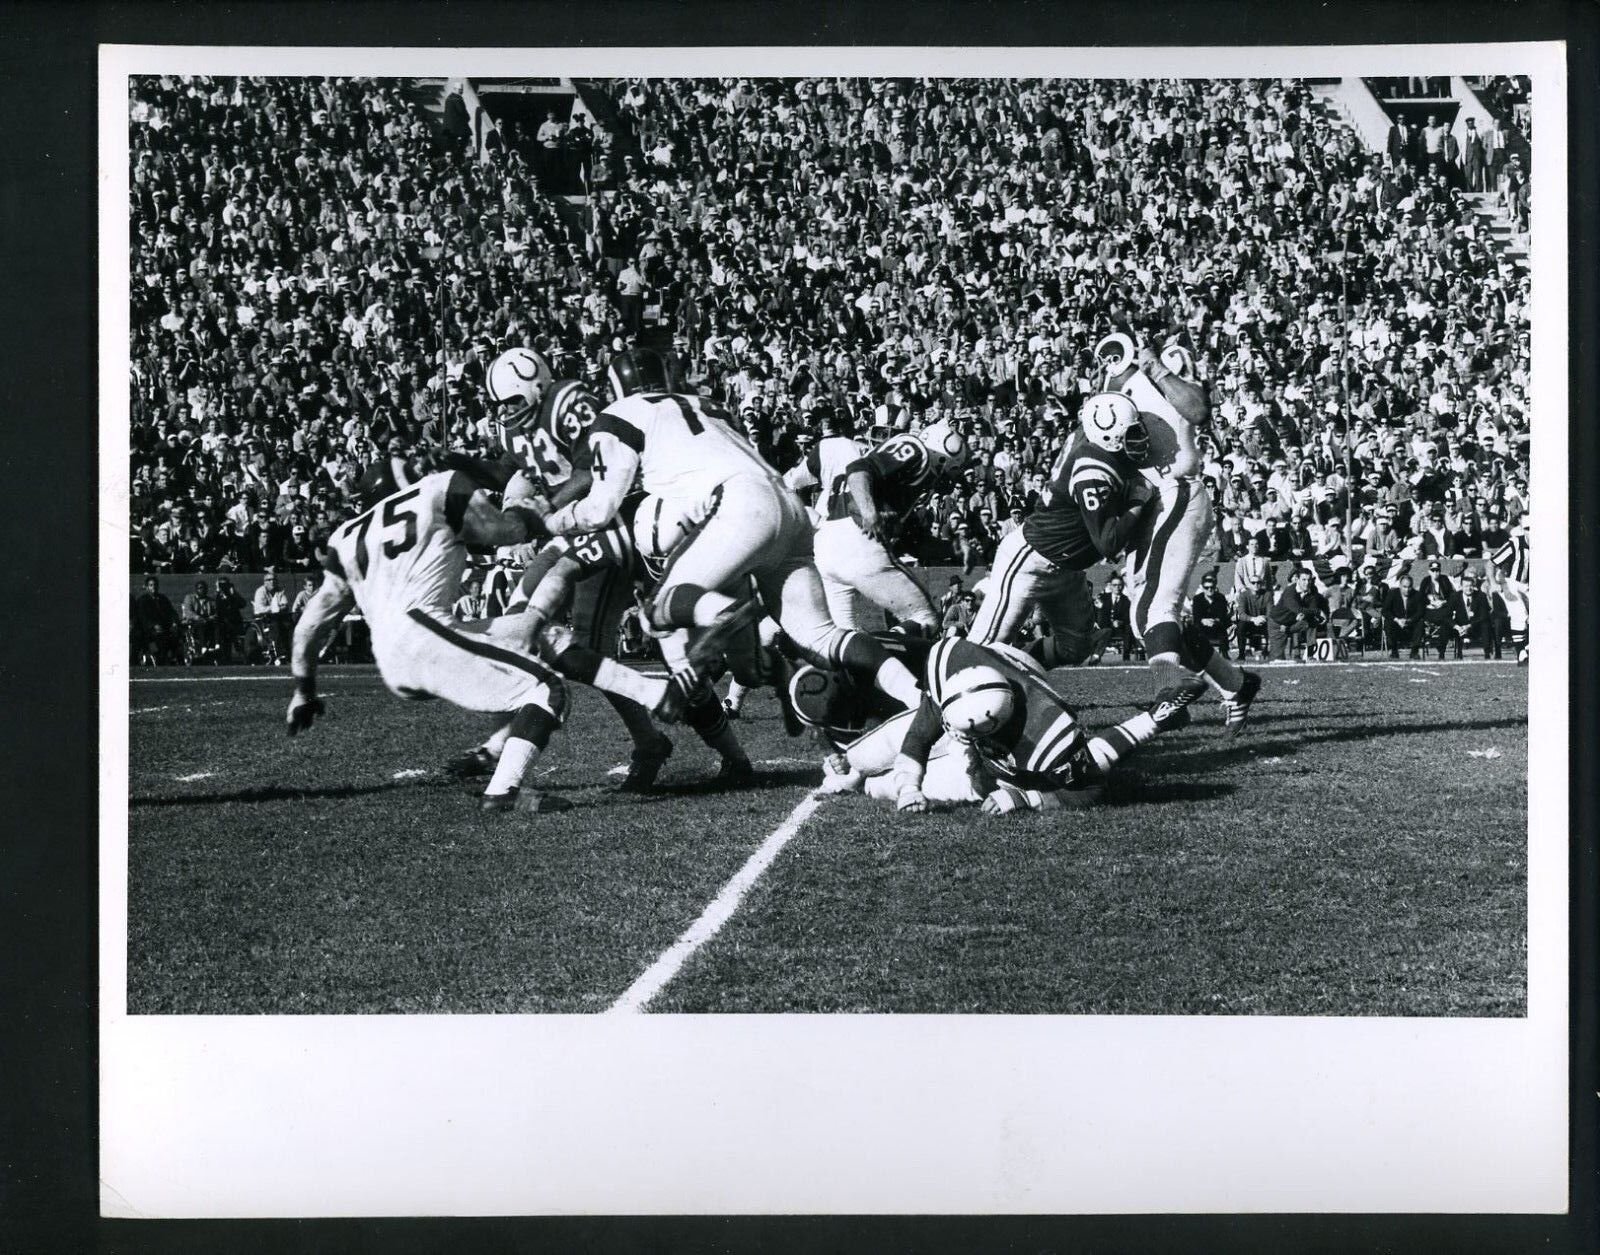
x=1173, y=407
x=541, y=424
x=401, y=563
x=685, y=450
x=991, y=728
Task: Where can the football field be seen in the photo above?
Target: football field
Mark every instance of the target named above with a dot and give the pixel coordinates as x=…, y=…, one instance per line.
x=1360, y=850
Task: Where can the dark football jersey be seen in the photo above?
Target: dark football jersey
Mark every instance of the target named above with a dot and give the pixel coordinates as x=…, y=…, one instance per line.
x=900, y=470
x=567, y=410
x=1039, y=746
x=1081, y=520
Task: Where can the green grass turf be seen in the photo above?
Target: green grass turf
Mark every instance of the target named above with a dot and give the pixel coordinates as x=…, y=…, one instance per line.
x=1347, y=856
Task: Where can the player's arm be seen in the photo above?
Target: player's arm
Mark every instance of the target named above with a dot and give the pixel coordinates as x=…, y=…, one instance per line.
x=328, y=605
x=547, y=581
x=1112, y=530
x=911, y=763
x=1189, y=399
x=615, y=448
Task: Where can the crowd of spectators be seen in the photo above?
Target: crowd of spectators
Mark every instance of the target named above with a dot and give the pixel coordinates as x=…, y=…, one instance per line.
x=320, y=273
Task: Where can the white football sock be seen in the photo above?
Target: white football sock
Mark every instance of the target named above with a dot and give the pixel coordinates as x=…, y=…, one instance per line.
x=515, y=760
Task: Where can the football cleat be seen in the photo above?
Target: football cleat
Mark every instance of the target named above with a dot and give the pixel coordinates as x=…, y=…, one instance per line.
x=710, y=644
x=475, y=764
x=1170, y=711
x=1237, y=706
x=645, y=765
x=523, y=802
x=736, y=771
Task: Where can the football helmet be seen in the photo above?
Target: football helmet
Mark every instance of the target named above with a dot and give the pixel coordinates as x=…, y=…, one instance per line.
x=829, y=700
x=572, y=412
x=1176, y=359
x=658, y=528
x=516, y=382
x=638, y=370
x=1116, y=353
x=1111, y=422
x=977, y=702
x=383, y=478
x=947, y=450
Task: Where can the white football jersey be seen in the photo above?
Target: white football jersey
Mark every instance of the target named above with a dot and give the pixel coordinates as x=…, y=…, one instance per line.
x=687, y=446
x=406, y=552
x=828, y=461
x=1173, y=451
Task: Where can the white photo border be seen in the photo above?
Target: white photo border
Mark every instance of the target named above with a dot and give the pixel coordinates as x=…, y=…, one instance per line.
x=266, y=1116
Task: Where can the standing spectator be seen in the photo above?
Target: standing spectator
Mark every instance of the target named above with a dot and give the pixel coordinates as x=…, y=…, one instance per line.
x=951, y=595
x=308, y=590
x=1211, y=613
x=1253, y=571
x=230, y=621
x=498, y=587
x=1296, y=618
x=1472, y=157
x=630, y=298
x=270, y=607
x=1402, y=617
x=958, y=618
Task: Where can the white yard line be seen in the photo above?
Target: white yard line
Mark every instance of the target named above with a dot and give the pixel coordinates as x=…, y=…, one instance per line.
x=718, y=913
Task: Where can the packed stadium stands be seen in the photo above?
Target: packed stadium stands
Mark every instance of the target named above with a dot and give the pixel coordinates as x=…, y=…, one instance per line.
x=321, y=269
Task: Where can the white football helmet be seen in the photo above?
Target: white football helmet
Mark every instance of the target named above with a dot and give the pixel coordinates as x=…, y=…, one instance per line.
x=516, y=382
x=977, y=702
x=658, y=528
x=1176, y=359
x=1111, y=422
x=947, y=450
x=1116, y=353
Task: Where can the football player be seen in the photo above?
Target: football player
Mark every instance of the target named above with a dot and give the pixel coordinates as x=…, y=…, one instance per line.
x=1092, y=511
x=1173, y=407
x=401, y=562
x=634, y=554
x=998, y=730
x=541, y=424
x=684, y=449
x=861, y=499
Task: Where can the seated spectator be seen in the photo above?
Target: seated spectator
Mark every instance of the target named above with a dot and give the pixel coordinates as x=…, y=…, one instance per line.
x=1438, y=622
x=1113, y=615
x=1211, y=613
x=1472, y=618
x=1403, y=607
x=472, y=603
x=1296, y=618
x=957, y=620
x=1344, y=618
x=1251, y=610
x=155, y=625
x=1253, y=572
x=199, y=613
x=270, y=608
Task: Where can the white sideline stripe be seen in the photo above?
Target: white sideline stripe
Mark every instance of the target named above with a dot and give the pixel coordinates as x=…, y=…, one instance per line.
x=718, y=913
x=198, y=775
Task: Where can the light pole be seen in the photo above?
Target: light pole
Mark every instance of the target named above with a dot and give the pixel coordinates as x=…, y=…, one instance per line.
x=444, y=368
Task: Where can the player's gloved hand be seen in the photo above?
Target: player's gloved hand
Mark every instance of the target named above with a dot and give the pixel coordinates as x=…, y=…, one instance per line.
x=1004, y=800
x=303, y=710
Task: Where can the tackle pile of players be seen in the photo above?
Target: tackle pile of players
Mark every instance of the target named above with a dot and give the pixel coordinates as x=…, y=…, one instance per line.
x=655, y=494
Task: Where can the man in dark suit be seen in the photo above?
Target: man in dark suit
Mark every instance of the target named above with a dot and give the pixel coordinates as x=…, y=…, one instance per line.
x=1472, y=618
x=1472, y=157
x=1210, y=613
x=1297, y=616
x=1113, y=613
x=1402, y=617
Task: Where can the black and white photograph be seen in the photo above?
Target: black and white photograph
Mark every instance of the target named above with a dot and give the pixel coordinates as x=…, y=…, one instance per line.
x=1000, y=546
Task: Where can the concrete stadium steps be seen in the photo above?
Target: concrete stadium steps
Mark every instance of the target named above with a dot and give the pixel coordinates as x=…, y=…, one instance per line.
x=1492, y=218
x=427, y=95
